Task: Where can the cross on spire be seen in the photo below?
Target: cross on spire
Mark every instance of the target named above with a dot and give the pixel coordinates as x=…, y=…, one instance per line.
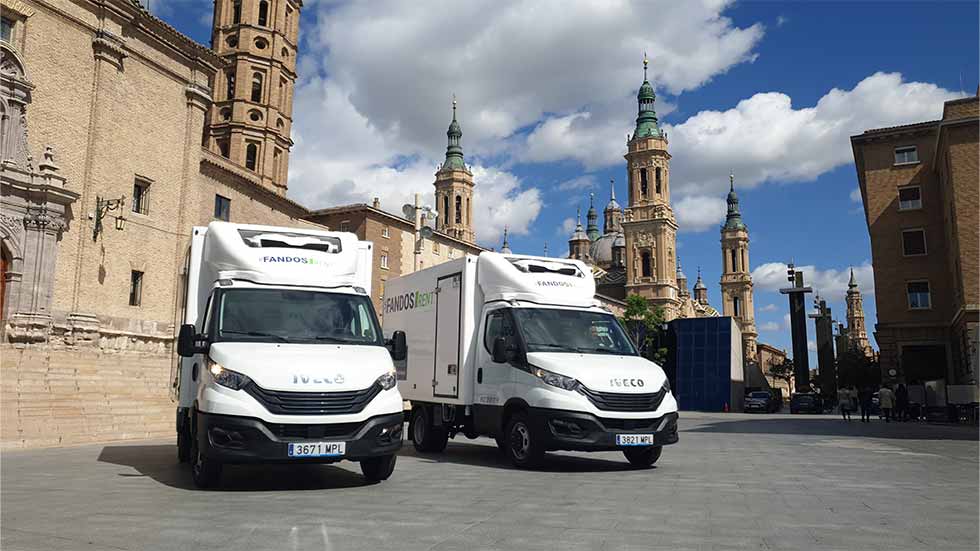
x=645, y=62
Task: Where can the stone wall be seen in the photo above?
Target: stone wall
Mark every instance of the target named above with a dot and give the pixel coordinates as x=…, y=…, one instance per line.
x=63, y=396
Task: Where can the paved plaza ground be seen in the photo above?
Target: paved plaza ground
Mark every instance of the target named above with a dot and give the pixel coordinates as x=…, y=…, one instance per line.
x=732, y=482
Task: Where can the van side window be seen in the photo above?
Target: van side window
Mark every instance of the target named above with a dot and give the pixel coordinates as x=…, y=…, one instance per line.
x=499, y=324
x=206, y=327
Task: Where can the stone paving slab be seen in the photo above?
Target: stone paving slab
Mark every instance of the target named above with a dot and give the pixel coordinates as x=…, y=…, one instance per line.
x=733, y=482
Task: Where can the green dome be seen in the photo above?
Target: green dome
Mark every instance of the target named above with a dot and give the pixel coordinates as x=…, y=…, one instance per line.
x=454, y=152
x=646, y=92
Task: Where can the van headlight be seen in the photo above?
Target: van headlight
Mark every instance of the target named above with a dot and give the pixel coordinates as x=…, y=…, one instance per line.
x=554, y=379
x=226, y=377
x=667, y=384
x=388, y=380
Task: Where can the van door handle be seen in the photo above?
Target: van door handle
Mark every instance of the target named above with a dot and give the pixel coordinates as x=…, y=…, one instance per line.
x=479, y=375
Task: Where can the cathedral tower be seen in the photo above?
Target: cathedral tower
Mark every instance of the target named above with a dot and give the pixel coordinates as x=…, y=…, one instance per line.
x=251, y=117
x=612, y=215
x=736, y=278
x=857, y=335
x=454, y=189
x=700, y=290
x=650, y=227
x=579, y=244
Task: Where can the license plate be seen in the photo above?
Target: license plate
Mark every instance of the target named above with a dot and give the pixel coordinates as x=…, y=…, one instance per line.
x=634, y=439
x=317, y=449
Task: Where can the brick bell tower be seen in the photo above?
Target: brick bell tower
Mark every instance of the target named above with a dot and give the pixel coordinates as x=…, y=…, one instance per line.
x=736, y=277
x=251, y=118
x=650, y=227
x=454, y=189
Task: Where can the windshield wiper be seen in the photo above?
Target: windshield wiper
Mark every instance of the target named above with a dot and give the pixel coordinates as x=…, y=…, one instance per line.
x=255, y=334
x=551, y=345
x=599, y=350
x=337, y=340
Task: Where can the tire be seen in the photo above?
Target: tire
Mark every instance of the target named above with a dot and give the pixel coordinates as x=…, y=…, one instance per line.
x=523, y=445
x=380, y=468
x=184, y=445
x=501, y=441
x=205, y=472
x=426, y=437
x=643, y=458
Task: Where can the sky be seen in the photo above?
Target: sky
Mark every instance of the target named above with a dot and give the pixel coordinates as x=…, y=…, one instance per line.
x=769, y=91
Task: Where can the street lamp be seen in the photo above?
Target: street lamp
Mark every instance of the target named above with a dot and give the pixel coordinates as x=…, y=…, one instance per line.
x=419, y=214
x=102, y=209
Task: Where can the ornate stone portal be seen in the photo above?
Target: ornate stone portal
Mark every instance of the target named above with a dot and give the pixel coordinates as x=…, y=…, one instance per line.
x=35, y=210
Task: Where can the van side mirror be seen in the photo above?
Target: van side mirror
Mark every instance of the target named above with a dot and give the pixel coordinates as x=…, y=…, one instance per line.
x=189, y=342
x=501, y=351
x=398, y=346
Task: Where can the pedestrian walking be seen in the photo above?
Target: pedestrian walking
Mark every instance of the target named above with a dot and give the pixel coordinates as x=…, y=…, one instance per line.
x=886, y=398
x=864, y=399
x=844, y=403
x=902, y=403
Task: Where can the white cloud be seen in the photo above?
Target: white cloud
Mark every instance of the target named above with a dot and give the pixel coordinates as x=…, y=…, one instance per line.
x=582, y=182
x=787, y=323
x=812, y=346
x=768, y=308
x=699, y=212
x=765, y=138
x=781, y=20
x=567, y=227
x=769, y=326
x=856, y=195
x=830, y=283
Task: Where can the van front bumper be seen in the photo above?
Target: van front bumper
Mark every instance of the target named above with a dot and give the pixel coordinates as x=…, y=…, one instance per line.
x=233, y=439
x=576, y=431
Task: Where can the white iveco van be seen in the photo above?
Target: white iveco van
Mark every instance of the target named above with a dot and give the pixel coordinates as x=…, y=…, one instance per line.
x=283, y=359
x=517, y=348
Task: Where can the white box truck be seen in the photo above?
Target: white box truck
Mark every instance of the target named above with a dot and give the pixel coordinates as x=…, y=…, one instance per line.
x=517, y=348
x=282, y=356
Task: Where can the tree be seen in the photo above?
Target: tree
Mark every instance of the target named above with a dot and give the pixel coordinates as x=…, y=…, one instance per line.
x=645, y=324
x=854, y=368
x=783, y=371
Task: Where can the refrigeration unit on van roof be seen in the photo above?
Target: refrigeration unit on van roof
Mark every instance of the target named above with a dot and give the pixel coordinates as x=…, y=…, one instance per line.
x=535, y=279
x=271, y=255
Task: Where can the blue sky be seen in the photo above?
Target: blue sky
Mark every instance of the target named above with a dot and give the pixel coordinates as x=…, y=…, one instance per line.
x=547, y=94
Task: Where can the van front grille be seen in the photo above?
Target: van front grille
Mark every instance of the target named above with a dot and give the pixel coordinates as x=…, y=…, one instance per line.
x=295, y=430
x=611, y=401
x=313, y=403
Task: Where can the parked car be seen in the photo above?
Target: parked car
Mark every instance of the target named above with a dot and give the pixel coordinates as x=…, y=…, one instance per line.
x=761, y=401
x=805, y=402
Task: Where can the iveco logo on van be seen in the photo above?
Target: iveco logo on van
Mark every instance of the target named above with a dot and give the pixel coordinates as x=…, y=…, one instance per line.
x=626, y=382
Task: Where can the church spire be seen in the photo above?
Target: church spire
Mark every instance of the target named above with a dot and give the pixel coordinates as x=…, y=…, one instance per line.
x=646, y=120
x=505, y=249
x=852, y=284
x=733, y=221
x=593, y=219
x=454, y=152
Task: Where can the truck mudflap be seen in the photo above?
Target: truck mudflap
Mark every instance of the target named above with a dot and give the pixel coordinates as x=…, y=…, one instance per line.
x=577, y=431
x=233, y=439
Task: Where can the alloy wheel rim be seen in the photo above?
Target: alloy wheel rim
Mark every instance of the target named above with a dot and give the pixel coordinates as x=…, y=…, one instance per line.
x=418, y=429
x=520, y=440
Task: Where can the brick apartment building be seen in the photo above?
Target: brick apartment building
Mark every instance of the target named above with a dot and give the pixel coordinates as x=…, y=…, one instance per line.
x=919, y=186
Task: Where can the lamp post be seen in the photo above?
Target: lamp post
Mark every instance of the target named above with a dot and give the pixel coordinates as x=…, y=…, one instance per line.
x=102, y=209
x=419, y=214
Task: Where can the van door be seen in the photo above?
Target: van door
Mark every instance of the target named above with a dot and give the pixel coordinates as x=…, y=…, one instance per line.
x=449, y=317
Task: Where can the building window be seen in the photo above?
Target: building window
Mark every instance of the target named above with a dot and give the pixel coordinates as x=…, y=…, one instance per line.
x=906, y=155
x=734, y=260
x=140, y=201
x=736, y=307
x=345, y=225
x=645, y=267
x=223, y=148
x=7, y=30
x=657, y=179
x=236, y=16
x=263, y=13
x=909, y=198
x=643, y=183
x=436, y=248
x=222, y=208
x=445, y=210
x=384, y=232
x=289, y=21
x=918, y=292
x=251, y=156
x=458, y=216
x=276, y=162
x=384, y=261
x=230, y=77
x=135, y=288
x=257, y=87
x=913, y=242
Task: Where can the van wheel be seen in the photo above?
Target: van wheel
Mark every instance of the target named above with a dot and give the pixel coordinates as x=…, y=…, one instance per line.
x=205, y=472
x=184, y=445
x=427, y=437
x=643, y=457
x=377, y=469
x=523, y=446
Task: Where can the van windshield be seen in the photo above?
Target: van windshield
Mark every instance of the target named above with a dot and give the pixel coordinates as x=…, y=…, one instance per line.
x=553, y=330
x=285, y=315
